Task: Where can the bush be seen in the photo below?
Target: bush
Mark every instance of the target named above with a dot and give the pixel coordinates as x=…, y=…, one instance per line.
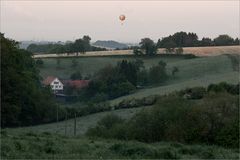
x=179, y=50
x=223, y=86
x=211, y=120
x=76, y=76
x=193, y=93
x=39, y=62
x=109, y=126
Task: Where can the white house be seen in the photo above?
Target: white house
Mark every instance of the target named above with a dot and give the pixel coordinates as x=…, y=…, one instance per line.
x=54, y=83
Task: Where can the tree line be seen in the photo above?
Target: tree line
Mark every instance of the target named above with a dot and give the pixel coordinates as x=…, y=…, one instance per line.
x=80, y=45
x=183, y=39
x=174, y=43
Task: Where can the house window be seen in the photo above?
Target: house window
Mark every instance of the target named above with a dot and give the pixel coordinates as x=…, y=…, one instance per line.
x=55, y=82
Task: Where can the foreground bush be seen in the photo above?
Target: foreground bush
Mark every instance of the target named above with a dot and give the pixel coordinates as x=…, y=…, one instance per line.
x=211, y=120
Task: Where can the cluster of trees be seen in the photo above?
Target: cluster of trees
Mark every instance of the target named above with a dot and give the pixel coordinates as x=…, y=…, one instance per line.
x=80, y=45
x=23, y=99
x=212, y=120
x=174, y=43
x=183, y=39
x=114, y=81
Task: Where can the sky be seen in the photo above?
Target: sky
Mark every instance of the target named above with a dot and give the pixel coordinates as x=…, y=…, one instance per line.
x=69, y=20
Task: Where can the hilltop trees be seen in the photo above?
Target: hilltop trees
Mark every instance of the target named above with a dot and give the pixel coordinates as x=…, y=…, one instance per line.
x=183, y=39
x=148, y=46
x=223, y=40
x=23, y=100
x=80, y=45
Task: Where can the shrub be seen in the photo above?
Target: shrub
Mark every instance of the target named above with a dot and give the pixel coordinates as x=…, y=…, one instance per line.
x=213, y=120
x=107, y=127
x=39, y=62
x=76, y=76
x=193, y=93
x=179, y=50
x=223, y=86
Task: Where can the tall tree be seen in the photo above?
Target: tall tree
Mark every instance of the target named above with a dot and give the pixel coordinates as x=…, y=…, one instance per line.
x=23, y=100
x=149, y=46
x=223, y=40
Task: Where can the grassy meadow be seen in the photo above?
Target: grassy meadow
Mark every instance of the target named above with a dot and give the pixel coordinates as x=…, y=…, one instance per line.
x=49, y=146
x=83, y=123
x=56, y=141
x=200, y=71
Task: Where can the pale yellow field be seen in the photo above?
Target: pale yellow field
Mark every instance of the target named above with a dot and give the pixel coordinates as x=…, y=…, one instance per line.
x=199, y=51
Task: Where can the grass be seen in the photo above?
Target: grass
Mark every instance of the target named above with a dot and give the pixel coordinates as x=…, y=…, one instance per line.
x=83, y=123
x=49, y=146
x=49, y=140
x=90, y=65
x=192, y=72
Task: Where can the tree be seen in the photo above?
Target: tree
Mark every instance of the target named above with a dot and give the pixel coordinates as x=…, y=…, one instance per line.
x=149, y=46
x=179, y=50
x=223, y=40
x=76, y=76
x=74, y=63
x=170, y=46
x=158, y=74
x=39, y=62
x=174, y=70
x=58, y=62
x=236, y=41
x=23, y=100
x=137, y=51
x=78, y=46
x=206, y=42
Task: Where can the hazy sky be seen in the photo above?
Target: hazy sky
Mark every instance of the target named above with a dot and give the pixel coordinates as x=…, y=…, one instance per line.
x=68, y=20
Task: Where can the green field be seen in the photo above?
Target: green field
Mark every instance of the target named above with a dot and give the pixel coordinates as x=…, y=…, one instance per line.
x=83, y=123
x=192, y=72
x=55, y=140
x=89, y=65
x=50, y=146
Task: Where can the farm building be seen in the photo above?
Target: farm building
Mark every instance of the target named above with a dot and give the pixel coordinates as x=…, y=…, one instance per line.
x=57, y=85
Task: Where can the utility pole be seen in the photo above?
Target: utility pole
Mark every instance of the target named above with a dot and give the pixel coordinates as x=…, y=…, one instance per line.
x=66, y=124
x=57, y=113
x=75, y=123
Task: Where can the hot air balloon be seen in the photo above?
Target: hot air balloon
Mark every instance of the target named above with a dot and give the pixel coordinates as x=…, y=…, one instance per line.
x=122, y=18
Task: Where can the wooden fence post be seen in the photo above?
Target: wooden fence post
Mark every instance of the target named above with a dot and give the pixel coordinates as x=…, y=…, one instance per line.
x=66, y=124
x=75, y=123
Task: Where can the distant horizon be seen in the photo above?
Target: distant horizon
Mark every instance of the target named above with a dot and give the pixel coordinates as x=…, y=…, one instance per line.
x=69, y=20
x=92, y=41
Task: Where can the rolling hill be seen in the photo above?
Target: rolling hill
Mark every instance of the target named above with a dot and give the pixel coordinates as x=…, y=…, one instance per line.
x=109, y=44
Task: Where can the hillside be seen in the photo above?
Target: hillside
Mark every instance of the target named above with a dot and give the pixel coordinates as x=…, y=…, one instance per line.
x=110, y=44
x=192, y=72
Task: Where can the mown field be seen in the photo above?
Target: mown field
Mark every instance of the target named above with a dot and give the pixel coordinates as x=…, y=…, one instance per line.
x=199, y=51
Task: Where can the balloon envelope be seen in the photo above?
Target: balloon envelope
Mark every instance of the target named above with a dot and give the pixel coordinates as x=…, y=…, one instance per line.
x=122, y=17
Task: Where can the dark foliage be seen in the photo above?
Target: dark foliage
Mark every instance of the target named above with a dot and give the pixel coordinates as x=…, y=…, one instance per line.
x=23, y=99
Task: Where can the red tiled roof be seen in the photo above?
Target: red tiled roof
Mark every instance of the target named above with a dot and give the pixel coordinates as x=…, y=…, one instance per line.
x=76, y=83
x=48, y=80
